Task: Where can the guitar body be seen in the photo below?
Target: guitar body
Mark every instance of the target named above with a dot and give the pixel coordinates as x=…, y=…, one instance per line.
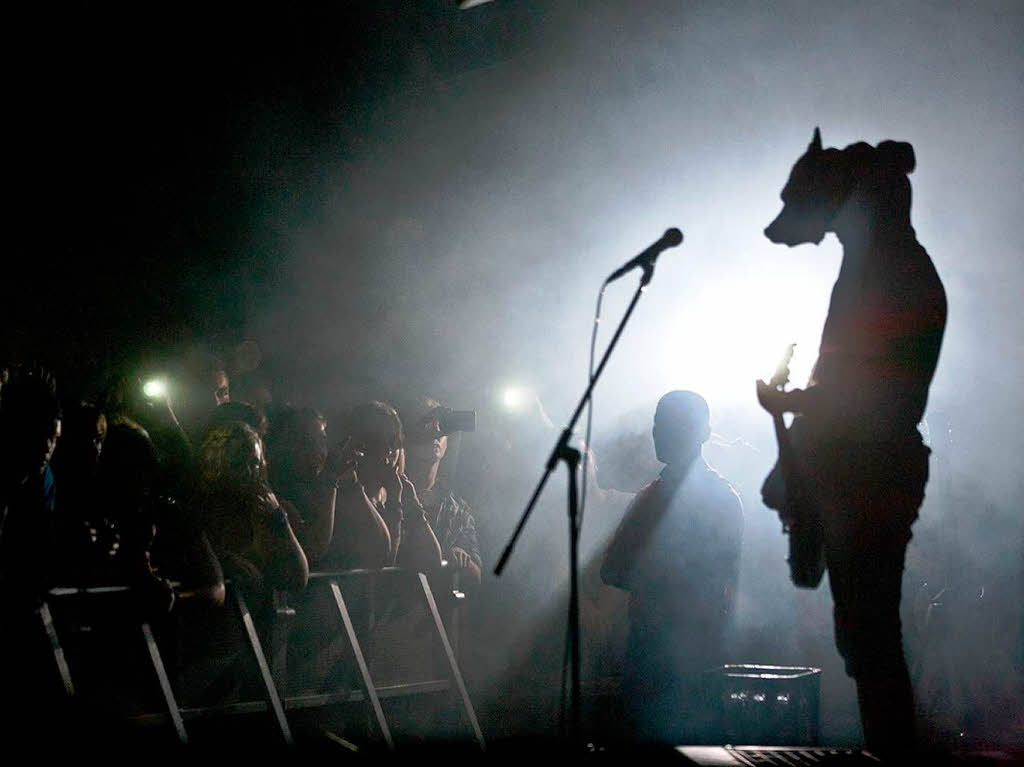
x=785, y=491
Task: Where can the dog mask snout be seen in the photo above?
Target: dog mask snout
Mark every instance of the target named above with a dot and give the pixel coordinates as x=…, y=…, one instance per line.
x=802, y=218
x=795, y=226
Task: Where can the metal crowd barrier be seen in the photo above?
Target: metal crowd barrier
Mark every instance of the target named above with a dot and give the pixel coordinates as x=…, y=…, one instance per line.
x=277, y=705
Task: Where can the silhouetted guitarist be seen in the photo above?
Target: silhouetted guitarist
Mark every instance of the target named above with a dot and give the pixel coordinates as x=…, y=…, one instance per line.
x=855, y=439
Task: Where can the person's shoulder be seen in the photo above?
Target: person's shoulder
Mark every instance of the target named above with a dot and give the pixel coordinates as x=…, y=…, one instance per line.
x=649, y=489
x=722, y=489
x=48, y=489
x=459, y=505
x=646, y=494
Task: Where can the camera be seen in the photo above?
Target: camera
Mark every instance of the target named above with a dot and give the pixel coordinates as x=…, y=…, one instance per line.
x=456, y=420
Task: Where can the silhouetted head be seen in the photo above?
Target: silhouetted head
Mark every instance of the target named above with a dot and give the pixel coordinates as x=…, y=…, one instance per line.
x=425, y=443
x=234, y=410
x=218, y=383
x=128, y=465
x=296, y=445
x=30, y=424
x=823, y=181
x=83, y=431
x=682, y=423
x=376, y=432
x=254, y=386
x=231, y=456
x=201, y=384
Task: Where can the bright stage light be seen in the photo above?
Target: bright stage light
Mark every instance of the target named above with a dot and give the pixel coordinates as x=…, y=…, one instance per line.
x=154, y=388
x=720, y=347
x=513, y=398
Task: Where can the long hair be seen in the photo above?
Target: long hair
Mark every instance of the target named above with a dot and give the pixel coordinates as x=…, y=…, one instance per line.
x=221, y=452
x=376, y=415
x=225, y=496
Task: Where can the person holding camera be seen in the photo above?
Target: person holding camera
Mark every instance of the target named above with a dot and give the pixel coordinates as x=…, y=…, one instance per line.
x=426, y=444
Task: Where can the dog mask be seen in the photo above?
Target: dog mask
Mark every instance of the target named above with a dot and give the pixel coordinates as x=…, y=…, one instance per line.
x=822, y=180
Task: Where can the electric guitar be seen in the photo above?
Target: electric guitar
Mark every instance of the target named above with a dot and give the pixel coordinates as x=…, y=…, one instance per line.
x=785, y=490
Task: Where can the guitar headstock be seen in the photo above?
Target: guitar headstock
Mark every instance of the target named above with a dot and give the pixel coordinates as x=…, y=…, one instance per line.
x=781, y=376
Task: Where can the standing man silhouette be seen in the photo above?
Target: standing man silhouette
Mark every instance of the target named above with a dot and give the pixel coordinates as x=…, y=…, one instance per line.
x=855, y=438
x=677, y=552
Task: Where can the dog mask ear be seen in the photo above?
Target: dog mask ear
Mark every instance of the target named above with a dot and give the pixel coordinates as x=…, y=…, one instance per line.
x=816, y=141
x=898, y=155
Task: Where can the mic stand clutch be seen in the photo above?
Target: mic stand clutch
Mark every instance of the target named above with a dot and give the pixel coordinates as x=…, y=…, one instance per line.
x=563, y=452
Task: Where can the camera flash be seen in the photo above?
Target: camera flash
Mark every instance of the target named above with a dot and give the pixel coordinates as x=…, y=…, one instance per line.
x=513, y=398
x=154, y=388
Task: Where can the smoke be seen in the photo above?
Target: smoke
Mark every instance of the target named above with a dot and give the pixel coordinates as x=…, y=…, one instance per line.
x=457, y=233
x=402, y=199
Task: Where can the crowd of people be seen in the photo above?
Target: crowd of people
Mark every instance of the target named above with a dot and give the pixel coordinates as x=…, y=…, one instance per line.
x=120, y=491
x=117, y=490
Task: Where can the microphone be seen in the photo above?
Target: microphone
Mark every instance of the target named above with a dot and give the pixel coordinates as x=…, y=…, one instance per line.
x=645, y=259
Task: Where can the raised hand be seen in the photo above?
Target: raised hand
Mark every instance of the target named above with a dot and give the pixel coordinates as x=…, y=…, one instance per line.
x=409, y=494
x=459, y=557
x=394, y=486
x=774, y=401
x=343, y=458
x=266, y=500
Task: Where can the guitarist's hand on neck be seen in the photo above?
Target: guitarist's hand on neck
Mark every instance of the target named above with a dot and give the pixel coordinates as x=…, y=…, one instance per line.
x=773, y=400
x=778, y=402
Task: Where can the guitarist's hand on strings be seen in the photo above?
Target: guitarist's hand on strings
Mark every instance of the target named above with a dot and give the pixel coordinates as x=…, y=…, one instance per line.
x=777, y=402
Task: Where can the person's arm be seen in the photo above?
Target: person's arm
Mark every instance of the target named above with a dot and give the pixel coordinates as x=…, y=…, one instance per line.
x=419, y=549
x=319, y=504
x=285, y=563
x=775, y=402
x=172, y=442
x=311, y=514
x=464, y=553
x=202, y=576
x=152, y=594
x=361, y=538
x=393, y=517
x=733, y=549
x=467, y=567
x=242, y=569
x=627, y=549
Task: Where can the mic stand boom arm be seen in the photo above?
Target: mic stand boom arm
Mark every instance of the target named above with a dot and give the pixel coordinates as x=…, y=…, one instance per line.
x=564, y=452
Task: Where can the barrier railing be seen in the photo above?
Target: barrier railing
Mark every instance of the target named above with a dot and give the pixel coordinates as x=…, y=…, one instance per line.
x=273, y=674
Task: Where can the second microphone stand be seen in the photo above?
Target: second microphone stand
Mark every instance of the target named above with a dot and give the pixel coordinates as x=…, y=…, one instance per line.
x=563, y=451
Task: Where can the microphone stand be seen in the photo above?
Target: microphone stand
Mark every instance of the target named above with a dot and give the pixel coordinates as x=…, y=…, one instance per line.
x=564, y=452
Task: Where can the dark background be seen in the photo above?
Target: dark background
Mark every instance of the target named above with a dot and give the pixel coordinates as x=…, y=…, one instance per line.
x=149, y=150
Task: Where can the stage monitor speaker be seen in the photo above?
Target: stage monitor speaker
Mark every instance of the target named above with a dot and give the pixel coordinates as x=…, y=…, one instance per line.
x=771, y=705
